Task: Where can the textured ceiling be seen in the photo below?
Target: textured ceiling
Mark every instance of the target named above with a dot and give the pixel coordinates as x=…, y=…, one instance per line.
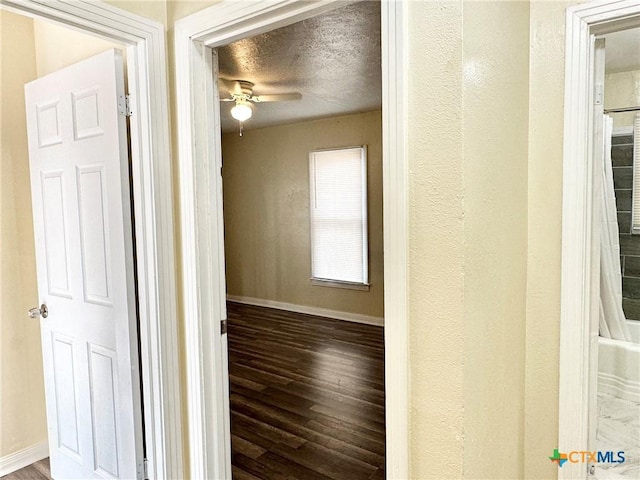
x=622, y=51
x=333, y=60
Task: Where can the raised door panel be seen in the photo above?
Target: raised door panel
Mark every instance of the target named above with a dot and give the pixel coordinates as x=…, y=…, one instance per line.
x=48, y=123
x=66, y=395
x=55, y=241
x=104, y=400
x=86, y=113
x=94, y=239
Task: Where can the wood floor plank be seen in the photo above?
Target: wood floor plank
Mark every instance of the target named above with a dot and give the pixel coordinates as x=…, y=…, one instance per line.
x=294, y=470
x=378, y=475
x=239, y=474
x=328, y=462
x=262, y=433
x=257, y=468
x=36, y=471
x=246, y=447
x=355, y=434
x=353, y=388
x=307, y=391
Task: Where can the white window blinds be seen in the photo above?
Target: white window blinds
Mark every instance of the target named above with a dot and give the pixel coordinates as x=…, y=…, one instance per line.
x=635, y=221
x=339, y=214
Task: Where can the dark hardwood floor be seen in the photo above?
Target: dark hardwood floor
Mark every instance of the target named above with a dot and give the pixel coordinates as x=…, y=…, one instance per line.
x=35, y=471
x=307, y=396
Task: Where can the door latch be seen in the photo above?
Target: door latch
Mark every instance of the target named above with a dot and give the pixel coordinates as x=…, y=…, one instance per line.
x=36, y=312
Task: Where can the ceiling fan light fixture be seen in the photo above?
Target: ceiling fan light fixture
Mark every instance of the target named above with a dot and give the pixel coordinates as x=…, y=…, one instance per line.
x=241, y=111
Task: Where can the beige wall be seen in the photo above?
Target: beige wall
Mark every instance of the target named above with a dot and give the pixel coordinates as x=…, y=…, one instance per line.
x=266, y=212
x=153, y=9
x=468, y=244
x=495, y=133
x=621, y=90
x=436, y=240
x=58, y=47
x=21, y=381
x=29, y=50
x=546, y=114
x=177, y=9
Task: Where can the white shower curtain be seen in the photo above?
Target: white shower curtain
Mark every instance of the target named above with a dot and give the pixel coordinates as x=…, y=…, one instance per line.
x=612, y=320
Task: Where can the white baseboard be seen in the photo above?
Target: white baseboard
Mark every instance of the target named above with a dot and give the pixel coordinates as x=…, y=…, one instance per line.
x=22, y=458
x=320, y=312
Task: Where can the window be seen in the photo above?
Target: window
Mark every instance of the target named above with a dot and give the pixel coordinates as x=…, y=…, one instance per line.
x=339, y=250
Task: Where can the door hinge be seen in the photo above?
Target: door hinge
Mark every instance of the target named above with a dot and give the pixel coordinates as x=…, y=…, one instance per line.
x=223, y=327
x=124, y=105
x=146, y=469
x=598, y=95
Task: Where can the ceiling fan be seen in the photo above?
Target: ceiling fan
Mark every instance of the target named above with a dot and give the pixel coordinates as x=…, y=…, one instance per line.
x=241, y=92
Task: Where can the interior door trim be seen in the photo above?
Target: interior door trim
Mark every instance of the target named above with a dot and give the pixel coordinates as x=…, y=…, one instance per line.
x=583, y=22
x=201, y=217
x=152, y=187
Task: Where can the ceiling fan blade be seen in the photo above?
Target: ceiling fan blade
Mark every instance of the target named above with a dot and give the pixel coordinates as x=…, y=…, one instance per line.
x=278, y=97
x=227, y=100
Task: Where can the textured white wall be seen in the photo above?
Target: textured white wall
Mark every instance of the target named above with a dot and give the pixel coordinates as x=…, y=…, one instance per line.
x=436, y=240
x=546, y=125
x=22, y=407
x=468, y=237
x=495, y=133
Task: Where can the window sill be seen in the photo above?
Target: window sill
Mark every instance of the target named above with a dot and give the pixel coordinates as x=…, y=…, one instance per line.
x=321, y=282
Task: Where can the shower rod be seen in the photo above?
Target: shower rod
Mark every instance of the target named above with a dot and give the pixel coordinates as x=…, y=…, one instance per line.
x=622, y=110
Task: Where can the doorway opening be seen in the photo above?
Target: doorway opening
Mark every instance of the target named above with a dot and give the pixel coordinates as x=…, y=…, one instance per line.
x=617, y=416
x=306, y=381
x=583, y=309
x=202, y=221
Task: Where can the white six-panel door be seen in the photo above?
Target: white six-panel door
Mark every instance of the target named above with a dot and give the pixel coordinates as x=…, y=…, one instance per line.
x=84, y=248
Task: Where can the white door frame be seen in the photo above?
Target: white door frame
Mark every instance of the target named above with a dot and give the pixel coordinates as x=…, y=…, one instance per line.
x=151, y=158
x=582, y=23
x=202, y=221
